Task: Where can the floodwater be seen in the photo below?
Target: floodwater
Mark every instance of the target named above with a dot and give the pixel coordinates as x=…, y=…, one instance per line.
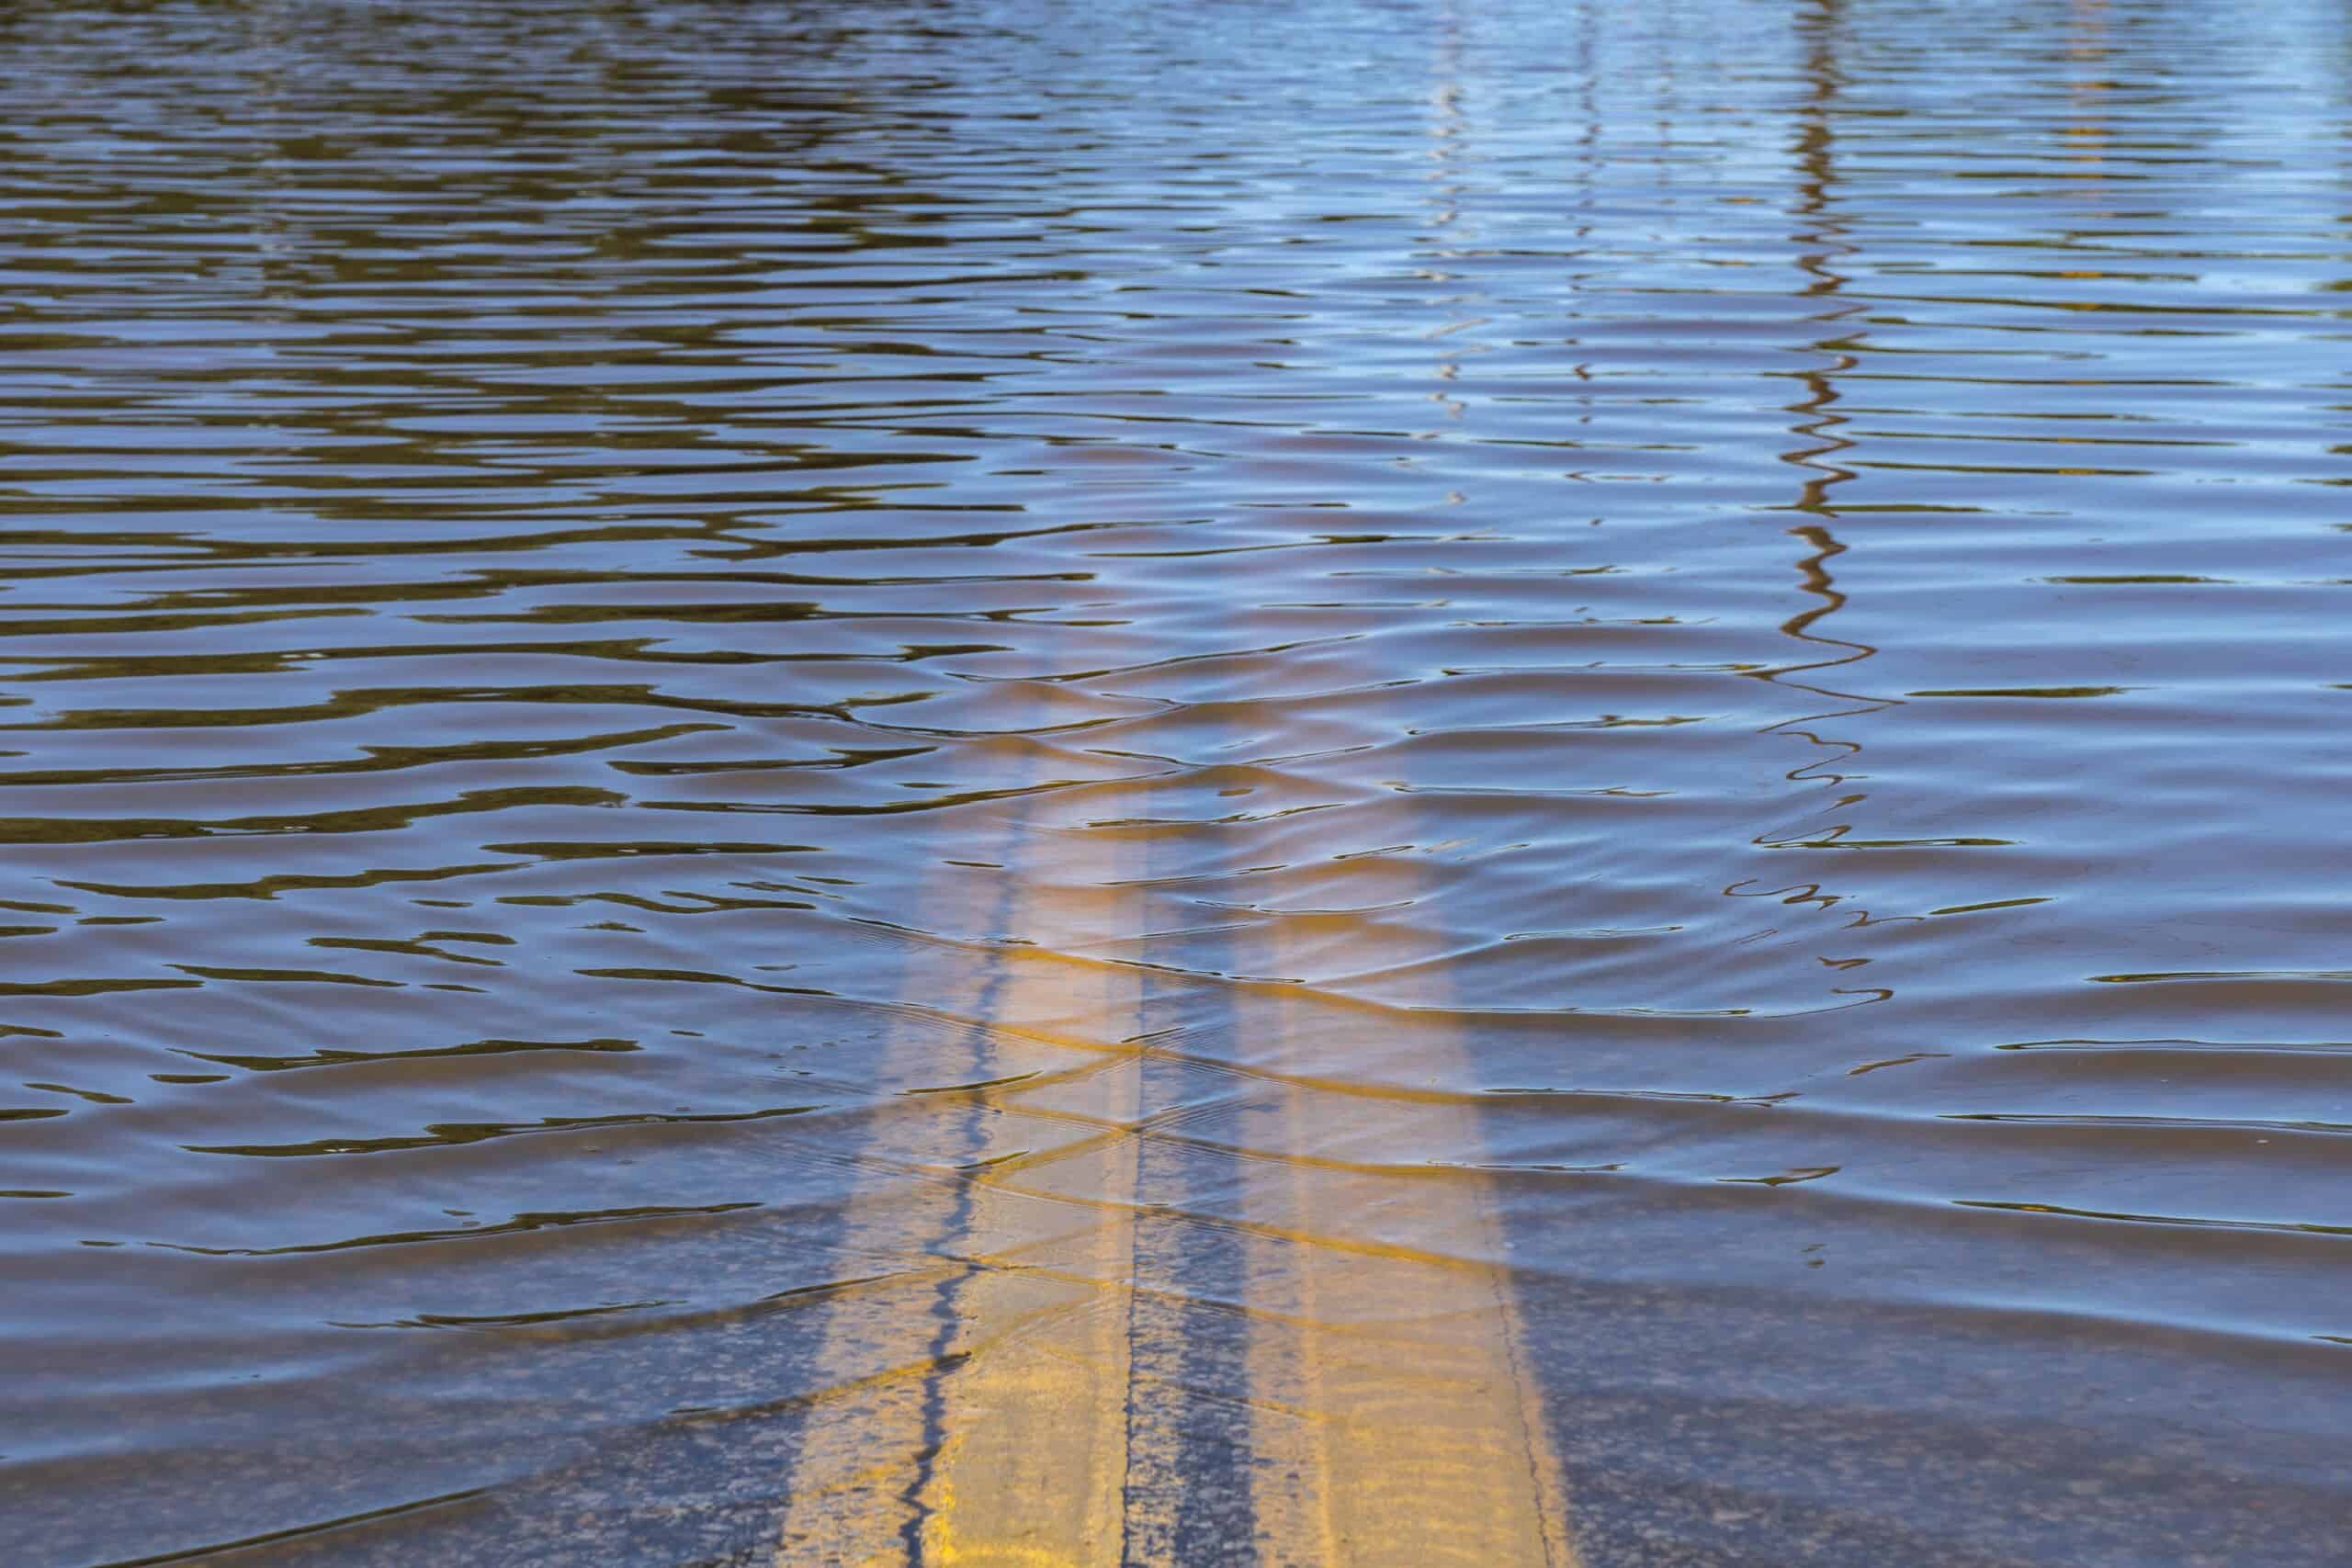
x=1269, y=783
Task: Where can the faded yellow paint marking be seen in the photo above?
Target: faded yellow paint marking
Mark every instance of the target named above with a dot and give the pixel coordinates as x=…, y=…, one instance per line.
x=1032, y=1469
x=979, y=1405
x=1396, y=1420
x=984, y=1413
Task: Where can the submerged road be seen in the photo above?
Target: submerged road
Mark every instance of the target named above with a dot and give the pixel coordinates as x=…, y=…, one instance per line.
x=1028, y=1374
x=1169, y=1285
x=1357, y=783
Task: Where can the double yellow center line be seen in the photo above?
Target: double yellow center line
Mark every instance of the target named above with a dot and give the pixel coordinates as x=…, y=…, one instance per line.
x=985, y=1407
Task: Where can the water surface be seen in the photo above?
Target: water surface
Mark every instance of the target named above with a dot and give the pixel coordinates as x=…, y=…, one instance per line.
x=1685, y=656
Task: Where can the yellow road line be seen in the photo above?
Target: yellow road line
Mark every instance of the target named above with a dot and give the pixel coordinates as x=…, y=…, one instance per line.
x=1397, y=1420
x=1033, y=1468
x=984, y=1413
x=980, y=1417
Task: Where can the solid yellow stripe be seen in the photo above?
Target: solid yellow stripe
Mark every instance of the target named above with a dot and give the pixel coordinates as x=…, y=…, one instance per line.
x=980, y=1392
x=1034, y=1470
x=1397, y=1423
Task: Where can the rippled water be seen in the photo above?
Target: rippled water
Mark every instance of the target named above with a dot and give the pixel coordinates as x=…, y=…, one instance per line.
x=1686, y=654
